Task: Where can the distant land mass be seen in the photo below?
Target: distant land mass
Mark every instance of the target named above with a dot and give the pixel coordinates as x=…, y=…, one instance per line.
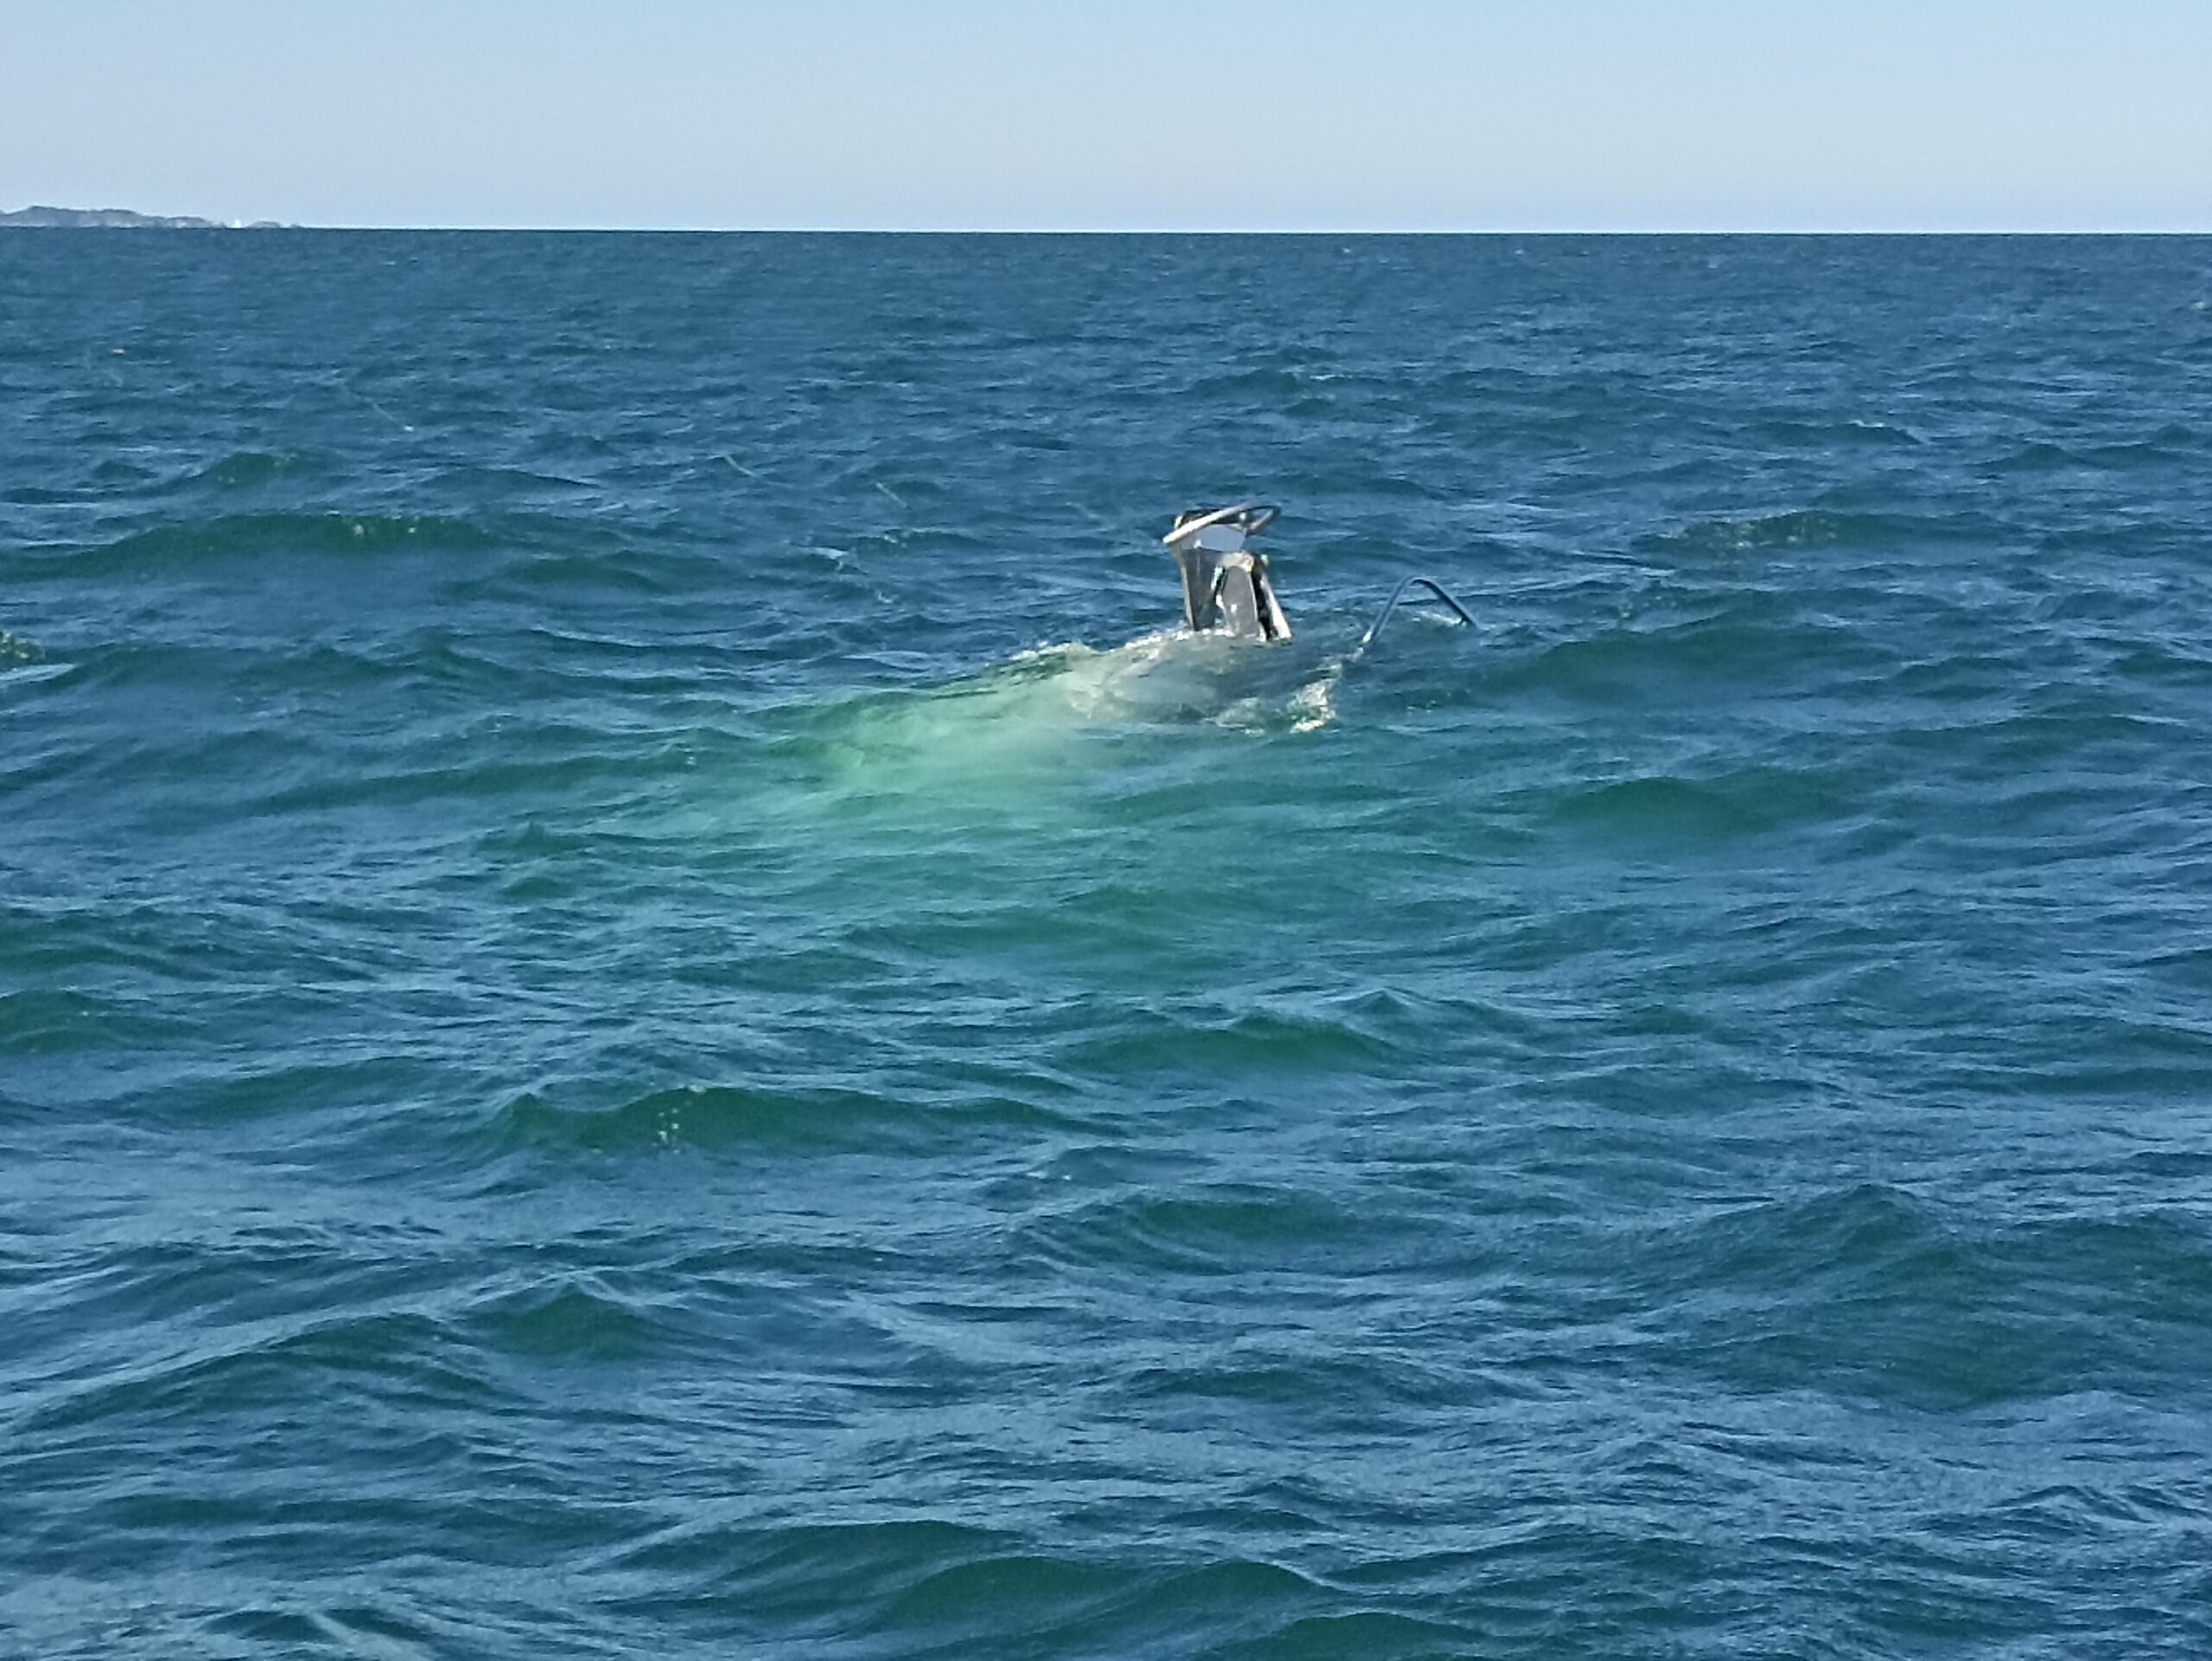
x=121, y=217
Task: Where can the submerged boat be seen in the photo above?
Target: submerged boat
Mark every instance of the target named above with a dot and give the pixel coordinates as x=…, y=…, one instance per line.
x=1225, y=587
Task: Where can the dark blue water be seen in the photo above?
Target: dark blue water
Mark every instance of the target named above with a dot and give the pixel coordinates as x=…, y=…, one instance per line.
x=647, y=1008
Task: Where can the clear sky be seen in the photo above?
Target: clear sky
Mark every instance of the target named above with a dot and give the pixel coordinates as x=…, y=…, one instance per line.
x=1121, y=114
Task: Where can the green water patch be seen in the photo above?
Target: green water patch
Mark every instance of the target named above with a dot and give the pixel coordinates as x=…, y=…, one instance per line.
x=997, y=736
x=1065, y=765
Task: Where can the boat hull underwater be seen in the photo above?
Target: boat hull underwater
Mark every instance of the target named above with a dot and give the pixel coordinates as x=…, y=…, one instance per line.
x=1008, y=739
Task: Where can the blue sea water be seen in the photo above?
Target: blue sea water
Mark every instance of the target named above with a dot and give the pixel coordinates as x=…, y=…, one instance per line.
x=648, y=1008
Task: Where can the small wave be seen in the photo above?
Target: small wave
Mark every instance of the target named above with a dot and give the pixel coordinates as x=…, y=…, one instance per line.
x=986, y=1594
x=49, y=1021
x=1799, y=528
x=25, y=674
x=1254, y=383
x=1872, y=1290
x=153, y=665
x=346, y=1629
x=2044, y=456
x=232, y=536
x=260, y=1362
x=929, y=1587
x=1747, y=641
x=1827, y=436
x=315, y=788
x=245, y=469
x=1235, y=1043
x=814, y=1565
x=574, y=1318
x=1665, y=809
x=721, y=1117
x=1222, y=1230
x=545, y=574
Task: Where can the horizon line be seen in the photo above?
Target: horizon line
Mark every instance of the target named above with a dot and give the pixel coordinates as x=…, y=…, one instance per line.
x=1146, y=230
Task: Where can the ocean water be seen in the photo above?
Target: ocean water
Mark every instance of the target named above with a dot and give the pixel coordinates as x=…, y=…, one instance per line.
x=648, y=1007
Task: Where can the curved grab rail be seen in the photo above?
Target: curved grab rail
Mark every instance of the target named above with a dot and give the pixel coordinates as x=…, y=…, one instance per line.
x=1256, y=517
x=1398, y=593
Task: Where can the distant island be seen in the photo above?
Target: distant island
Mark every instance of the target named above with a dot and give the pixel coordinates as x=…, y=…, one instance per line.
x=121, y=219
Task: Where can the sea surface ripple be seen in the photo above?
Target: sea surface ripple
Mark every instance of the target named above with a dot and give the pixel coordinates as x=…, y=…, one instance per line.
x=648, y=1007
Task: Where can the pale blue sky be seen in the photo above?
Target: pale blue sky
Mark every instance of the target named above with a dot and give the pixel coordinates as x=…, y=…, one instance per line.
x=1125, y=114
